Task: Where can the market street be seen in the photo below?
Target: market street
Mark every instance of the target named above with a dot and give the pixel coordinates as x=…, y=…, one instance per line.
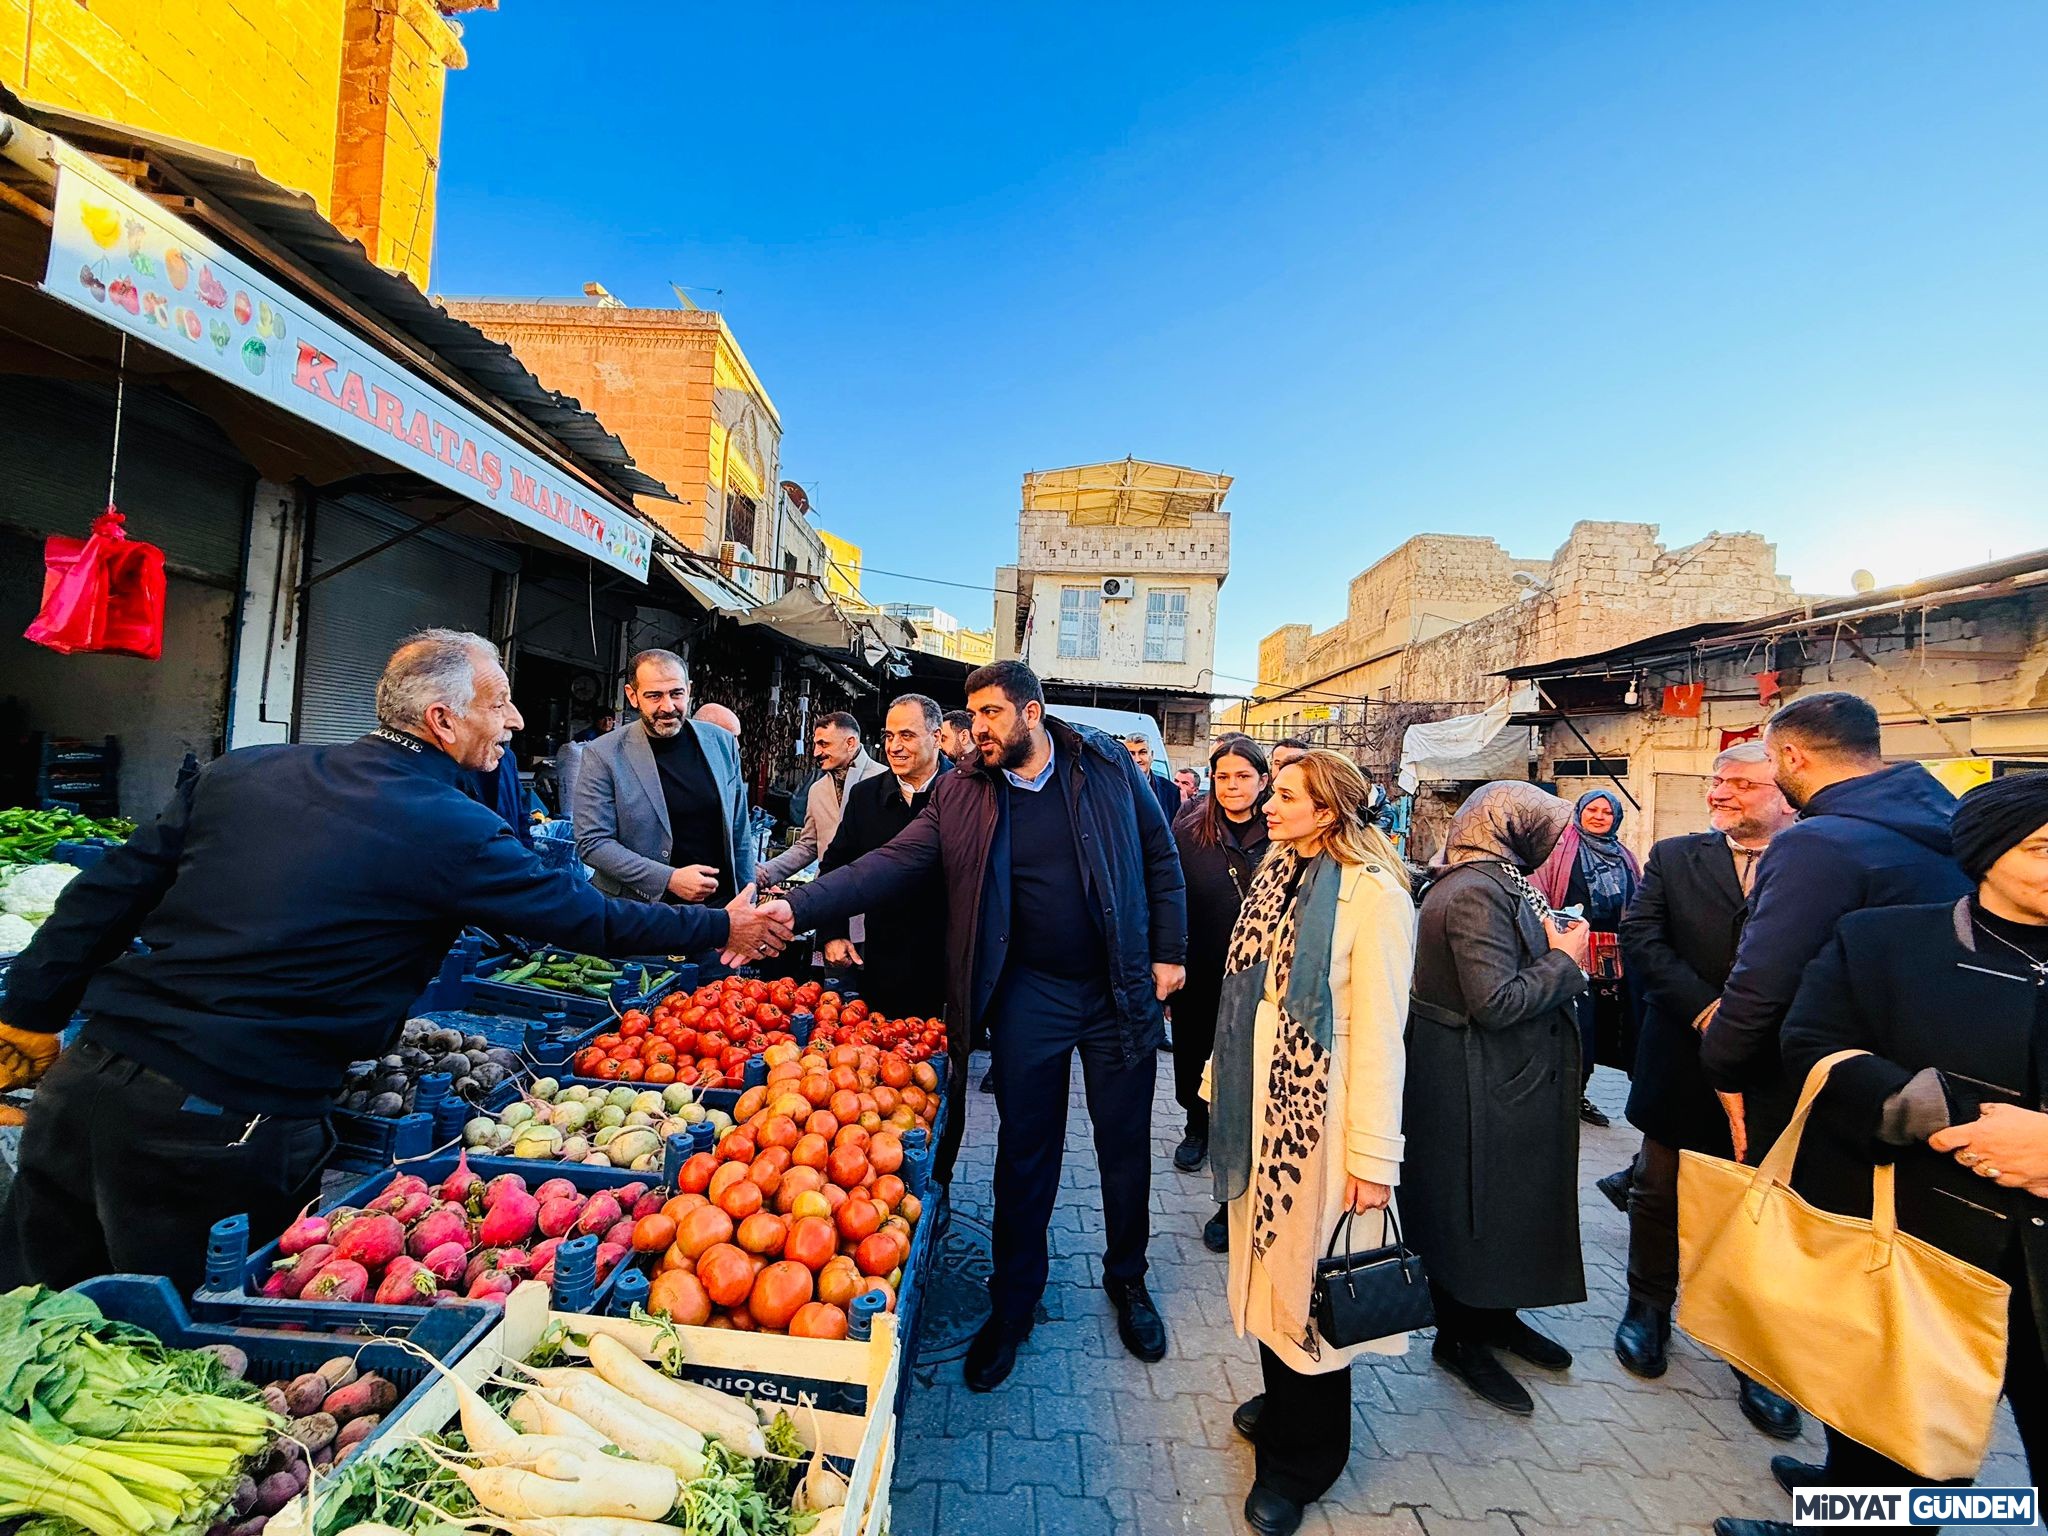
x=1083, y=1439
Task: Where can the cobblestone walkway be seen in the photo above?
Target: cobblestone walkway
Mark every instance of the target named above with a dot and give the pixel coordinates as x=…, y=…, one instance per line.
x=1083, y=1439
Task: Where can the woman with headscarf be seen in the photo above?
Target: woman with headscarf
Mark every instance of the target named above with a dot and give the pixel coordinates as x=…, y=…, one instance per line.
x=1591, y=869
x=1305, y=1140
x=1490, y=1188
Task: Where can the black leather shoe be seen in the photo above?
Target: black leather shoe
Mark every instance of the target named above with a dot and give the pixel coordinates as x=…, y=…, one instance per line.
x=1473, y=1363
x=1246, y=1419
x=1187, y=1157
x=1793, y=1474
x=1615, y=1188
x=1518, y=1338
x=1138, y=1322
x=1591, y=1115
x=1216, y=1232
x=1642, y=1340
x=1766, y=1410
x=992, y=1355
x=1728, y=1525
x=1269, y=1513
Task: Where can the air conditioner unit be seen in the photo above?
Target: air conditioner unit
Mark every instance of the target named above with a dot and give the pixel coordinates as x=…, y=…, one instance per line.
x=1118, y=588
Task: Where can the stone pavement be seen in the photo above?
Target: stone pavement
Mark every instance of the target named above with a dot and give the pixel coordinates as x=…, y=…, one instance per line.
x=1083, y=1439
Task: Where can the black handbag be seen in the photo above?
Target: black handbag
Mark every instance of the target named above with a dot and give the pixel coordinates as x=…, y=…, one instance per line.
x=1373, y=1295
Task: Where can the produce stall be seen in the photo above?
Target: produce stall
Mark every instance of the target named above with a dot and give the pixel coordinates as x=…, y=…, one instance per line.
x=40, y=852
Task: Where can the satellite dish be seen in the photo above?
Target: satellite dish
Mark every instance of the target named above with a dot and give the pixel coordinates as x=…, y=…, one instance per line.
x=1863, y=581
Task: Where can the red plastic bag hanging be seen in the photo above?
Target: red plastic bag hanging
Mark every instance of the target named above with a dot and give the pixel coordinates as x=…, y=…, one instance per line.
x=103, y=593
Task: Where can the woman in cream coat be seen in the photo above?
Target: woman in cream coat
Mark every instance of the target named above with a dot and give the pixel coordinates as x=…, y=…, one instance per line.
x=1305, y=1087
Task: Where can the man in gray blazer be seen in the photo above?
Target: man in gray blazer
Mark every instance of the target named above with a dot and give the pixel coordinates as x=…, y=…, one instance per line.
x=660, y=806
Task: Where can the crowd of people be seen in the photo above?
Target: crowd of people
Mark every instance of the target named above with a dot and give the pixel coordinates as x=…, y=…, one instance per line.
x=1368, y=1057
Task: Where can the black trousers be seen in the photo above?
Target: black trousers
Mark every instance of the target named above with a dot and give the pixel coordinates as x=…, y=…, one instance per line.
x=1194, y=1037
x=1455, y=1320
x=1304, y=1435
x=1854, y=1465
x=1653, y=1226
x=1041, y=1021
x=124, y=1172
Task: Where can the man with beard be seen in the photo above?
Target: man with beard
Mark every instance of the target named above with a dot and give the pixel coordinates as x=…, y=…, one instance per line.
x=1067, y=927
x=660, y=806
x=956, y=738
x=842, y=763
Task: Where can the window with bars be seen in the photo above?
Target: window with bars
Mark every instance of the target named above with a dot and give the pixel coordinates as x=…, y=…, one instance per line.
x=1080, y=623
x=1166, y=624
x=739, y=519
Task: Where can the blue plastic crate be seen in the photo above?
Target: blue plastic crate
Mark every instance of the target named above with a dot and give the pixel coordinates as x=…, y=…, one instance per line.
x=235, y=1276
x=278, y=1353
x=626, y=993
x=365, y=1143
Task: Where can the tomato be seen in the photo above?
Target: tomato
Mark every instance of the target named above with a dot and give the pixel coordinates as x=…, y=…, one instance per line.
x=680, y=1297
x=812, y=1241
x=741, y=1198
x=876, y=1254
x=733, y=1060
x=695, y=1176
x=587, y=1060
x=686, y=1040
x=660, y=1072
x=607, y=1041
x=608, y=1068
x=858, y=1219
x=633, y=1025
x=887, y=1191
x=818, y=1320
x=702, y=1229
x=727, y=1275
x=885, y=1152
x=781, y=1289
x=653, y=1233
x=633, y=1071
x=763, y=1232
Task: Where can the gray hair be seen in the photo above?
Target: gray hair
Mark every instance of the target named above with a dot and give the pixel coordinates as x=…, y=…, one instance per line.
x=924, y=705
x=1743, y=752
x=433, y=666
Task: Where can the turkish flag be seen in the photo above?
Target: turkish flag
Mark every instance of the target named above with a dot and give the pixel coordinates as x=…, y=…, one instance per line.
x=1684, y=699
x=1736, y=738
x=1767, y=687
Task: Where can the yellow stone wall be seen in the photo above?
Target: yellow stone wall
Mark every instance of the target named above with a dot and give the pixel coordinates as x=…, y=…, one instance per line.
x=339, y=99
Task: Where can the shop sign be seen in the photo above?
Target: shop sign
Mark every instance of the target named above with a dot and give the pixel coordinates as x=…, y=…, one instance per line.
x=115, y=254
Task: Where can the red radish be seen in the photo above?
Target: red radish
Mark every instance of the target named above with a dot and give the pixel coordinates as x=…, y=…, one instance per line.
x=492, y=1285
x=479, y=1261
x=338, y=1280
x=444, y=1224
x=397, y=1191
x=303, y=1233
x=600, y=1214
x=496, y=1189
x=511, y=1219
x=558, y=1214
x=649, y=1204
x=514, y=1261
x=555, y=1189
x=297, y=1270
x=543, y=1255
x=446, y=1263
x=374, y=1241
x=338, y=1221
x=407, y=1283
x=620, y=1232
x=274, y=1286
x=608, y=1256
x=414, y=1206
x=462, y=1182
x=628, y=1195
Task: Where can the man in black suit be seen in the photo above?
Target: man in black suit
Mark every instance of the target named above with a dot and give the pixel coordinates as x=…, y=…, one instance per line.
x=1678, y=943
x=902, y=951
x=1164, y=790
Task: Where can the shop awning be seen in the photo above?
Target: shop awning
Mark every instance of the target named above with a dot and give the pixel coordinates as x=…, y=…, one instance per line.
x=300, y=318
x=1468, y=748
x=802, y=616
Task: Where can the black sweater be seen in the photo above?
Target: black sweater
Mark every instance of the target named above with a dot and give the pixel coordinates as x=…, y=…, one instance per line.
x=1219, y=878
x=294, y=901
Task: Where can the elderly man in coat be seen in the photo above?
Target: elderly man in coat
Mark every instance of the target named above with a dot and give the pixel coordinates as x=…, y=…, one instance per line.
x=1491, y=1105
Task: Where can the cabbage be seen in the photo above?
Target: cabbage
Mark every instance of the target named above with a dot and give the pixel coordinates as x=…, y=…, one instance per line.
x=31, y=890
x=14, y=934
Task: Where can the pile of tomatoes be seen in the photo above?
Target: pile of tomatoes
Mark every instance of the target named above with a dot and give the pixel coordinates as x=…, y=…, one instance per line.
x=702, y=1038
x=802, y=1206
x=912, y=1039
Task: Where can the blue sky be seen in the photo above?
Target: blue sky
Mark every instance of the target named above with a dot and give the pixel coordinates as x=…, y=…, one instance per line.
x=1477, y=268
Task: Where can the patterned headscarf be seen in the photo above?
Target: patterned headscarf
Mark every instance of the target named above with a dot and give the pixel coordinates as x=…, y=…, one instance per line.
x=1511, y=821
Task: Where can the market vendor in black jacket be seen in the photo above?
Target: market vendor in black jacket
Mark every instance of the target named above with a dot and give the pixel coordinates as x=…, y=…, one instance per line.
x=901, y=950
x=1067, y=922
x=1951, y=1000
x=1868, y=836
x=292, y=901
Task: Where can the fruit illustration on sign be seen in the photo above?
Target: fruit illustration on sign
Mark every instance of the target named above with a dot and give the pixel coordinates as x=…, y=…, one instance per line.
x=212, y=292
x=177, y=268
x=158, y=308
x=135, y=234
x=90, y=281
x=187, y=321
x=242, y=309
x=254, y=355
x=123, y=293
x=103, y=224
x=217, y=333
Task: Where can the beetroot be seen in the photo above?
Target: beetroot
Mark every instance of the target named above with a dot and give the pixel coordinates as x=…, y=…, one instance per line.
x=443, y=1224
x=649, y=1204
x=395, y=1194
x=516, y=1262
x=273, y=1287
x=479, y=1261
x=620, y=1232
x=447, y=1262
x=497, y=1189
x=509, y=1219
x=492, y=1285
x=558, y=1214
x=297, y=1270
x=303, y=1233
x=600, y=1214
x=556, y=1189
x=608, y=1256
x=628, y=1195
x=338, y=1280
x=407, y=1282
x=339, y=1219
x=459, y=1185
x=373, y=1242
x=542, y=1255
x=413, y=1207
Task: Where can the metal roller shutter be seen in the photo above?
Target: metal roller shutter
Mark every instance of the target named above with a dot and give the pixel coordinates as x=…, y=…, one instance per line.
x=355, y=620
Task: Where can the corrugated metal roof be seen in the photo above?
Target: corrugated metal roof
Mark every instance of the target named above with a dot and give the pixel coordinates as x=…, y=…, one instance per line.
x=295, y=223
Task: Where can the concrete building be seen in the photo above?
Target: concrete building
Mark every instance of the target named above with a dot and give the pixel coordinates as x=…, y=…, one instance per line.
x=799, y=545
x=338, y=99
x=1113, y=597
x=676, y=387
x=940, y=634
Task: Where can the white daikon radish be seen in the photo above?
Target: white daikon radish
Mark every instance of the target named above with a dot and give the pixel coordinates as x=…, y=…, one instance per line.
x=710, y=1413
x=535, y=1415
x=629, y=1424
x=625, y=1489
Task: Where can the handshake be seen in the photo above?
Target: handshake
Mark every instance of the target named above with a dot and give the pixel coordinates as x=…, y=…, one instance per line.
x=757, y=931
